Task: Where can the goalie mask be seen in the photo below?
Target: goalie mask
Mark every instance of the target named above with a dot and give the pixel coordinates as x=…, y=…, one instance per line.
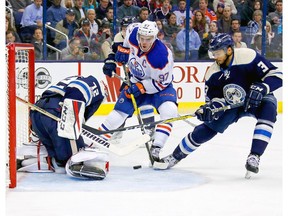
x=146, y=35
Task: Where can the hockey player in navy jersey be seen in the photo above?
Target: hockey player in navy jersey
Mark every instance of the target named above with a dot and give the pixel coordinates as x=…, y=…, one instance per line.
x=74, y=100
x=238, y=75
x=150, y=64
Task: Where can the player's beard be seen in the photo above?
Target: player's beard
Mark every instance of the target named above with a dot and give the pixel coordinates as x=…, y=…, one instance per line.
x=225, y=63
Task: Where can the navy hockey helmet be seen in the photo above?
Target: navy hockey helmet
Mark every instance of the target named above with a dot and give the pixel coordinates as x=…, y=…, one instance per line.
x=126, y=21
x=221, y=41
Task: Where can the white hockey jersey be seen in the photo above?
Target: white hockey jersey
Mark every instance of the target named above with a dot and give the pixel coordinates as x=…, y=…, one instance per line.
x=154, y=69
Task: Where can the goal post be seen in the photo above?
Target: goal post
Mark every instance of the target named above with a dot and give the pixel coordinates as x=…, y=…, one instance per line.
x=20, y=73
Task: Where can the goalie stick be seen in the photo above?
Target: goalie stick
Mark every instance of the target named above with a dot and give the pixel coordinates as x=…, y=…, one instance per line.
x=88, y=132
x=99, y=132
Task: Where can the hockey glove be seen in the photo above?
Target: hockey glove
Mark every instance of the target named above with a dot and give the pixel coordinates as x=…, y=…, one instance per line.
x=122, y=54
x=206, y=112
x=109, y=65
x=136, y=89
x=255, y=95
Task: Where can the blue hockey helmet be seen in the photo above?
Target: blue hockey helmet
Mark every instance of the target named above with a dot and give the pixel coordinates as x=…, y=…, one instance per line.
x=221, y=41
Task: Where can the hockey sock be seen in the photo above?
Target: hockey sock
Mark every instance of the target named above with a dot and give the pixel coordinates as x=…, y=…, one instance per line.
x=193, y=140
x=261, y=136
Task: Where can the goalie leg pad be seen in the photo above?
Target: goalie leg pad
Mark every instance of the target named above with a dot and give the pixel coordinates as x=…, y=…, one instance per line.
x=72, y=117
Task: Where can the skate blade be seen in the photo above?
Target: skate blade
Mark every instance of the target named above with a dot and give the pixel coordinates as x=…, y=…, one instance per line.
x=160, y=165
x=249, y=174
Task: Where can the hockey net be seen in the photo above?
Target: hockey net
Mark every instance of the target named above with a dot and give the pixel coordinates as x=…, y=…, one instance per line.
x=20, y=83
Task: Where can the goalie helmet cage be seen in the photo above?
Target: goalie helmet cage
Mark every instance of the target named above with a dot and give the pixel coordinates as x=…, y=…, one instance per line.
x=20, y=72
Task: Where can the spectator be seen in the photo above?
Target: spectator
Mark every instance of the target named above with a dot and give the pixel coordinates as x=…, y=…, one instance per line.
x=224, y=24
x=80, y=12
x=219, y=11
x=55, y=14
x=229, y=3
x=275, y=18
x=10, y=37
x=245, y=11
x=37, y=41
x=253, y=27
x=107, y=43
x=108, y=19
x=171, y=29
x=66, y=26
x=237, y=38
x=159, y=24
x=72, y=51
x=9, y=27
x=194, y=43
x=181, y=12
x=235, y=26
x=269, y=32
x=67, y=4
x=18, y=7
x=208, y=13
x=31, y=19
x=87, y=41
x=200, y=24
x=162, y=12
x=203, y=49
x=154, y=4
x=127, y=9
x=102, y=9
x=94, y=23
x=103, y=34
x=257, y=5
x=143, y=3
x=90, y=4
x=273, y=44
x=161, y=37
x=143, y=15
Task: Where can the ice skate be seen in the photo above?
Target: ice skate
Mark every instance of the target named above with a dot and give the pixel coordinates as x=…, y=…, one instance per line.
x=155, y=151
x=252, y=165
x=170, y=160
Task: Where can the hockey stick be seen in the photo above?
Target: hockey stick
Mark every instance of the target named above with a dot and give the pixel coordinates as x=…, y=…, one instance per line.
x=140, y=121
x=125, y=81
x=88, y=132
x=151, y=124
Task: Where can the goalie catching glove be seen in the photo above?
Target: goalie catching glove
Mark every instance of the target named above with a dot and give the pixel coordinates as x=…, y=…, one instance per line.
x=72, y=118
x=88, y=163
x=136, y=89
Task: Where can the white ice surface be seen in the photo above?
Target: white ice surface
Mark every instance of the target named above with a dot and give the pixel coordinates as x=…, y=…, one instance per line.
x=209, y=182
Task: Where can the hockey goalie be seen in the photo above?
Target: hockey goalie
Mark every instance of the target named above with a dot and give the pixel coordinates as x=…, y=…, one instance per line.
x=73, y=101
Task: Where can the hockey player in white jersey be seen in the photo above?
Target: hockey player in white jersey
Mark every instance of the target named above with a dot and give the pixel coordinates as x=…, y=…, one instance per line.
x=150, y=64
x=237, y=76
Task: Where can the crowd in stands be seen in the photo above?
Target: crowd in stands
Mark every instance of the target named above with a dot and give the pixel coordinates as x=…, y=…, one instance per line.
x=85, y=29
